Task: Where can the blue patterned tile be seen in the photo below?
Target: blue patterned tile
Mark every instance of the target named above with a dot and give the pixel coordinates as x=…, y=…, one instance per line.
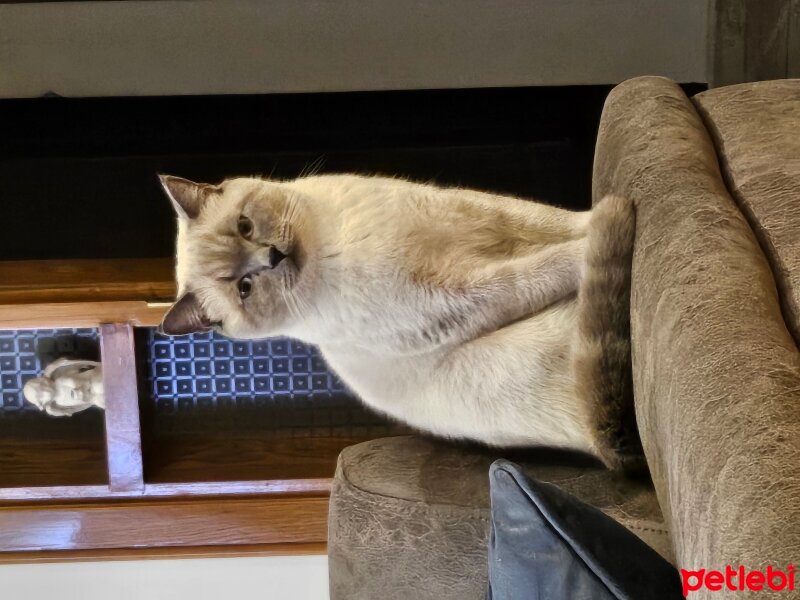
x=202, y=367
x=242, y=367
x=285, y=380
x=182, y=350
x=204, y=386
x=183, y=369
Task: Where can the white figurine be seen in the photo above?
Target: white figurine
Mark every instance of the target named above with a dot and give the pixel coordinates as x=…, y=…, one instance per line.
x=67, y=387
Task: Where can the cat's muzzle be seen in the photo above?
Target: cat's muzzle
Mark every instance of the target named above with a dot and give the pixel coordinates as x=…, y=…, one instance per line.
x=267, y=257
x=275, y=257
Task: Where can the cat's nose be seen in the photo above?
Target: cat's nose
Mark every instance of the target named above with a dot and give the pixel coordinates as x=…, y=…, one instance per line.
x=275, y=257
x=269, y=257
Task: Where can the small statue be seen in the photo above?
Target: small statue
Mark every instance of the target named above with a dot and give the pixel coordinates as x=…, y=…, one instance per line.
x=67, y=387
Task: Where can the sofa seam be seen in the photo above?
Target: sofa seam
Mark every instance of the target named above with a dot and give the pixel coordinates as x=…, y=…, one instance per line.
x=773, y=261
x=653, y=529
x=438, y=505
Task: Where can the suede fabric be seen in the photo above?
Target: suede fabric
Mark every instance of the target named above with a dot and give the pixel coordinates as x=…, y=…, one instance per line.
x=716, y=372
x=409, y=516
x=756, y=130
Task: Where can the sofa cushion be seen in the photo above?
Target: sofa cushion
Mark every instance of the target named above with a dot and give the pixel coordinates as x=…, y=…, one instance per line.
x=409, y=516
x=716, y=373
x=548, y=545
x=756, y=131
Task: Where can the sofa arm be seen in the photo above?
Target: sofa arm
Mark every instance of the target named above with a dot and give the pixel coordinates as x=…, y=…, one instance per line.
x=716, y=373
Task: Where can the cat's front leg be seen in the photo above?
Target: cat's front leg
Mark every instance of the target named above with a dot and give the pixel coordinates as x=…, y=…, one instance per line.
x=538, y=280
x=501, y=292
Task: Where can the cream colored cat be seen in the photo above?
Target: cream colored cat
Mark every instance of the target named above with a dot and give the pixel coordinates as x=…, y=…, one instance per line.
x=452, y=310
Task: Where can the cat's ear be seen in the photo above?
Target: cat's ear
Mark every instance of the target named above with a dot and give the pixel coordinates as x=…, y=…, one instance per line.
x=184, y=317
x=187, y=196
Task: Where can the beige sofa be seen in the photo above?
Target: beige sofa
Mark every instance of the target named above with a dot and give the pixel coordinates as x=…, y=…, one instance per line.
x=715, y=318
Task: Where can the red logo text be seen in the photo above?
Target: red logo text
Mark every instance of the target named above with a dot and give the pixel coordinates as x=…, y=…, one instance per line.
x=738, y=580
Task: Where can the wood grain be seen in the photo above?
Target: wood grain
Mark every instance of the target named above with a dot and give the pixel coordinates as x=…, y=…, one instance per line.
x=753, y=40
x=123, y=433
x=766, y=38
x=49, y=281
x=36, y=450
x=167, y=523
x=167, y=490
x=793, y=45
x=85, y=293
x=42, y=462
x=242, y=457
x=727, y=50
x=80, y=314
x=174, y=552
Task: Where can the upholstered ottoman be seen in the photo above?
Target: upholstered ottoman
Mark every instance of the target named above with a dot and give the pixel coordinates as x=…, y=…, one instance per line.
x=409, y=516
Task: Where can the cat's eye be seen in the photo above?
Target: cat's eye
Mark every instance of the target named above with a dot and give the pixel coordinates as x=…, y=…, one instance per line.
x=245, y=227
x=245, y=286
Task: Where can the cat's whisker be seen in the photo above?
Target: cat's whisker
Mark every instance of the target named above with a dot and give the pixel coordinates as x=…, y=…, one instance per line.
x=312, y=168
x=290, y=218
x=304, y=306
x=286, y=215
x=293, y=301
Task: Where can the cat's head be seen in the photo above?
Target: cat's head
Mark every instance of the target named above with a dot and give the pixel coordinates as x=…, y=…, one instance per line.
x=240, y=256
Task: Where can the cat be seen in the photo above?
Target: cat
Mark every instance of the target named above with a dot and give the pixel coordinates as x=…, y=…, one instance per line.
x=462, y=313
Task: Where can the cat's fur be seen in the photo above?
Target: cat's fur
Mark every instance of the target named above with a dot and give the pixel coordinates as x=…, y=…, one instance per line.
x=455, y=311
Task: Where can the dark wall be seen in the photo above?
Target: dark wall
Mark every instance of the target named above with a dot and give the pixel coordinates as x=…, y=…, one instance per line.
x=77, y=176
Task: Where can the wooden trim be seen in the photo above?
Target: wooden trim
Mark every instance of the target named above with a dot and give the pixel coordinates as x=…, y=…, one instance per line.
x=49, y=281
x=80, y=314
x=85, y=293
x=726, y=45
x=318, y=486
x=38, y=450
x=767, y=35
x=793, y=45
x=181, y=552
x=170, y=522
x=123, y=431
x=128, y=518
x=753, y=40
x=240, y=455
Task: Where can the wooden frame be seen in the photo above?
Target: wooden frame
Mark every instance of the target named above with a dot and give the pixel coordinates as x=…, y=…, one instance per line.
x=123, y=433
x=164, y=523
x=130, y=517
x=175, y=552
x=85, y=293
x=80, y=314
x=753, y=40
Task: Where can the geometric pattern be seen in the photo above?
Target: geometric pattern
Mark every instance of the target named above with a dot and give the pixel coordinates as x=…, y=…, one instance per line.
x=279, y=382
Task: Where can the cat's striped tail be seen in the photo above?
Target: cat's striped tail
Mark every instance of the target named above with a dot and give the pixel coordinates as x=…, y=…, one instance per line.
x=602, y=354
